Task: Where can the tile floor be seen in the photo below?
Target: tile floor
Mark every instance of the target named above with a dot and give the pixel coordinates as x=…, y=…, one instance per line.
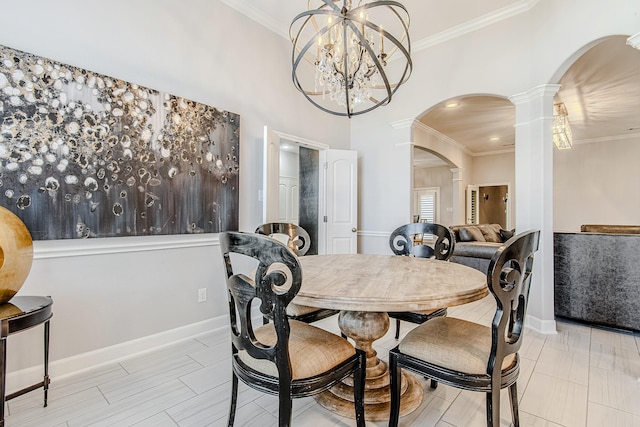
x=581, y=376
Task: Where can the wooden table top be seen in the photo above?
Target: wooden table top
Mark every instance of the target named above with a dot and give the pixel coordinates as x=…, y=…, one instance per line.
x=361, y=282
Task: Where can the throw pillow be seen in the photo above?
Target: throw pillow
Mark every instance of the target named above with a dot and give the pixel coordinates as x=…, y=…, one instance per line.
x=470, y=234
x=491, y=232
x=505, y=235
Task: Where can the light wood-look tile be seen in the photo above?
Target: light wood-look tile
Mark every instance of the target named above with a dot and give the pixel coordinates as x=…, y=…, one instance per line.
x=188, y=385
x=601, y=415
x=565, y=365
x=161, y=419
x=60, y=410
x=149, y=378
x=615, y=388
x=556, y=400
x=134, y=409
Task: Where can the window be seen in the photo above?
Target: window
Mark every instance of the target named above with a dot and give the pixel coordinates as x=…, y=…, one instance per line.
x=426, y=204
x=426, y=207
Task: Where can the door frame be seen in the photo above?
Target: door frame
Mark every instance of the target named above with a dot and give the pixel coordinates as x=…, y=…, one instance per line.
x=509, y=197
x=322, y=190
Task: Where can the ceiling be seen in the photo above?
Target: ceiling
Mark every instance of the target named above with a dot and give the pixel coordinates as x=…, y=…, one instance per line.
x=601, y=90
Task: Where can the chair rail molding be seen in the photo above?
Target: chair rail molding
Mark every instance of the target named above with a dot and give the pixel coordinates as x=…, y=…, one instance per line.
x=45, y=249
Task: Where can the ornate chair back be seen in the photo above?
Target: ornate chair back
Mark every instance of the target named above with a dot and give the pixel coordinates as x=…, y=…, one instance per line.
x=277, y=281
x=298, y=238
x=469, y=355
x=509, y=280
x=285, y=357
x=402, y=241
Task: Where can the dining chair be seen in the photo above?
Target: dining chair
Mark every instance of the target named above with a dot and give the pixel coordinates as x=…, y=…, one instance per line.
x=435, y=241
x=468, y=355
x=285, y=357
x=297, y=239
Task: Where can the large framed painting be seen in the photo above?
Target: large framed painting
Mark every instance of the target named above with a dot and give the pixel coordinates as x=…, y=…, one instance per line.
x=86, y=155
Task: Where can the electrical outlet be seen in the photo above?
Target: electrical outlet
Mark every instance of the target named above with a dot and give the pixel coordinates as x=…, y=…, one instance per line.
x=202, y=294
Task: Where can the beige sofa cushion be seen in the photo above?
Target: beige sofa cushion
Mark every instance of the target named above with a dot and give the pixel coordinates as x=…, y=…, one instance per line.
x=312, y=350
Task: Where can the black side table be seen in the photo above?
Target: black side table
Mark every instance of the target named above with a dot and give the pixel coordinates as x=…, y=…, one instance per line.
x=20, y=314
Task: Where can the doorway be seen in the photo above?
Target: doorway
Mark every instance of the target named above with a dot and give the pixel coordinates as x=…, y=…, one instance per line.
x=488, y=204
x=299, y=195
x=327, y=183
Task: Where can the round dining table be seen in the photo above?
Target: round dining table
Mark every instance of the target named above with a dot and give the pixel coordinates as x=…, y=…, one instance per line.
x=364, y=288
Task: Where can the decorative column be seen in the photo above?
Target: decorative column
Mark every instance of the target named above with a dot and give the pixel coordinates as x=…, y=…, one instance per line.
x=534, y=194
x=459, y=214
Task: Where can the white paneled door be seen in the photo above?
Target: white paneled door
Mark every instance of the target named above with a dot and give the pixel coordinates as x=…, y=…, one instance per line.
x=342, y=201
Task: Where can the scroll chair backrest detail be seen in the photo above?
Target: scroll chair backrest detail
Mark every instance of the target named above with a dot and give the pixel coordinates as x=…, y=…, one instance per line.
x=509, y=280
x=299, y=241
x=277, y=281
x=402, y=243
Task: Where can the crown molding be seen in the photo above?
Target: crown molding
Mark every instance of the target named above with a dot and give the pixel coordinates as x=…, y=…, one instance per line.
x=494, y=152
x=250, y=10
x=443, y=137
x=607, y=138
x=474, y=24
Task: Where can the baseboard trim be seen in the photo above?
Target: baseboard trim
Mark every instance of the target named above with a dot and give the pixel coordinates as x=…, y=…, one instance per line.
x=74, y=365
x=542, y=326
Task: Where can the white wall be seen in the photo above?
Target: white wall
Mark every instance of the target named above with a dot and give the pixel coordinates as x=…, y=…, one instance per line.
x=198, y=49
x=597, y=183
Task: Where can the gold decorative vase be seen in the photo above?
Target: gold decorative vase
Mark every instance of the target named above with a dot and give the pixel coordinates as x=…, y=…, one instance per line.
x=16, y=254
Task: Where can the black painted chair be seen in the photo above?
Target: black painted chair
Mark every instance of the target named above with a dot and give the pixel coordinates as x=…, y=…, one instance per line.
x=468, y=355
x=297, y=239
x=423, y=240
x=284, y=357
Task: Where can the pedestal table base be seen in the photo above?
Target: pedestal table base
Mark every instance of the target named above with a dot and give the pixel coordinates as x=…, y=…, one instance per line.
x=364, y=328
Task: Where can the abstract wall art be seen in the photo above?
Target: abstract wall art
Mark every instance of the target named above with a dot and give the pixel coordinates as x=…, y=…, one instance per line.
x=86, y=155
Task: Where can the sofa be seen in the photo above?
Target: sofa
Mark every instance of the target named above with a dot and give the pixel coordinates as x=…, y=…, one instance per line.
x=476, y=244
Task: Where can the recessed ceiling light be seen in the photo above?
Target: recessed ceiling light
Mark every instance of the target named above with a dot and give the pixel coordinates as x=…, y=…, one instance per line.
x=494, y=139
x=451, y=104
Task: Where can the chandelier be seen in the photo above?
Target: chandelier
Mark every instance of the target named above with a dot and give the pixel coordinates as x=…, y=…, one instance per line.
x=561, y=130
x=342, y=55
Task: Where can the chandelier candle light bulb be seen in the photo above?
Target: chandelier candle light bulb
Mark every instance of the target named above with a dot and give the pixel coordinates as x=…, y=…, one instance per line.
x=351, y=68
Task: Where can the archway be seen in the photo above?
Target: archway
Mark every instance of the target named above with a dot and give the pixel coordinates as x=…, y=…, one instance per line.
x=473, y=135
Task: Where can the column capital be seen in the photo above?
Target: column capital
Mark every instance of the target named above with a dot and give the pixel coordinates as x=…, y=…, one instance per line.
x=541, y=91
x=634, y=41
x=457, y=173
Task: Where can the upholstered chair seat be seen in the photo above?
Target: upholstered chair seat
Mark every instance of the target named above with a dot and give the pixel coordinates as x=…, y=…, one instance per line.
x=312, y=350
x=297, y=310
x=438, y=339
